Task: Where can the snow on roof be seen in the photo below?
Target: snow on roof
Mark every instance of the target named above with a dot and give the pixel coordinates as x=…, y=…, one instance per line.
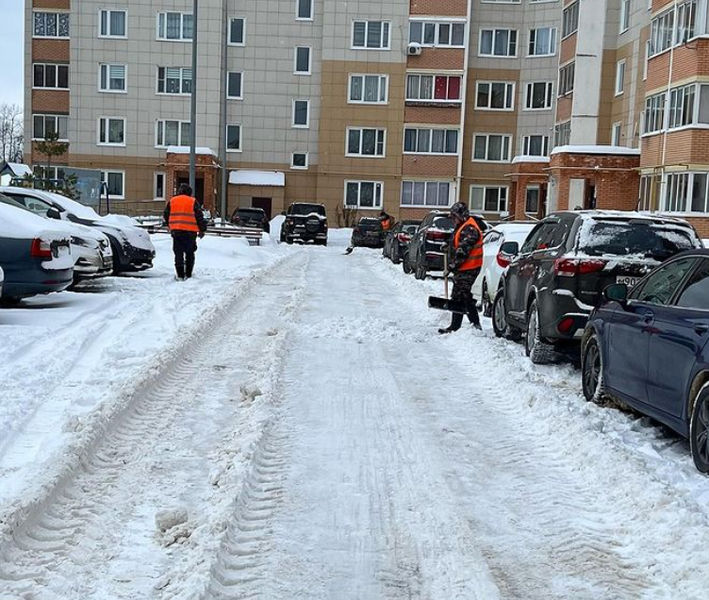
x=18, y=223
x=186, y=150
x=596, y=150
x=16, y=169
x=253, y=177
x=525, y=158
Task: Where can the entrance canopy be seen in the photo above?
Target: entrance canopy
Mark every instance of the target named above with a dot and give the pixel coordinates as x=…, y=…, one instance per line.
x=258, y=178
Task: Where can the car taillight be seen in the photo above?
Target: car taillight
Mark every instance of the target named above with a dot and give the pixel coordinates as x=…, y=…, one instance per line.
x=565, y=325
x=570, y=267
x=403, y=237
x=40, y=248
x=436, y=235
x=503, y=260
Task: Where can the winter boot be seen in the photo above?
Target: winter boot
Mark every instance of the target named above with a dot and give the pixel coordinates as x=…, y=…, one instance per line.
x=456, y=322
x=473, y=316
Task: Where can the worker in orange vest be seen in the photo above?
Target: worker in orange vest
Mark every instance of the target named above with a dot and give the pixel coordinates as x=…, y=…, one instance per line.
x=184, y=218
x=465, y=251
x=386, y=220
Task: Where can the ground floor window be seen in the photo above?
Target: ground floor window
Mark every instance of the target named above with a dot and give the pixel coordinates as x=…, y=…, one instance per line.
x=425, y=193
x=686, y=192
x=363, y=194
x=649, y=196
x=488, y=198
x=114, y=181
x=531, y=203
x=159, y=188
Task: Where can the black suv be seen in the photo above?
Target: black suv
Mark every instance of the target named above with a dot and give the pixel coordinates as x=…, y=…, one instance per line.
x=251, y=217
x=368, y=232
x=557, y=277
x=305, y=222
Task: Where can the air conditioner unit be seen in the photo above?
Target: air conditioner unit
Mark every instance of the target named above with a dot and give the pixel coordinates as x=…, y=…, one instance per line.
x=414, y=49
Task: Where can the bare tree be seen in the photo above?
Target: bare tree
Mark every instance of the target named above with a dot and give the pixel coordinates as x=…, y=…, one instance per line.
x=11, y=132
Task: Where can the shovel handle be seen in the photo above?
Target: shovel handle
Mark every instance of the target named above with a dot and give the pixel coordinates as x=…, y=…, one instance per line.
x=445, y=274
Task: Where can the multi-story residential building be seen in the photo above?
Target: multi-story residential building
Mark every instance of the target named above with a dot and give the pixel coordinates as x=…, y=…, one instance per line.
x=516, y=107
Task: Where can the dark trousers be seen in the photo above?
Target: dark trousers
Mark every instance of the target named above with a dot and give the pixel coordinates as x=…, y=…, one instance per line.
x=462, y=290
x=184, y=245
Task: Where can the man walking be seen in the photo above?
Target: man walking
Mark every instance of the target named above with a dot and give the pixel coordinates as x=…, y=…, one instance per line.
x=465, y=259
x=184, y=218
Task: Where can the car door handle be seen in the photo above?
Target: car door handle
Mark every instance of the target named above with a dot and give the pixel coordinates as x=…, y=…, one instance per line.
x=648, y=317
x=701, y=328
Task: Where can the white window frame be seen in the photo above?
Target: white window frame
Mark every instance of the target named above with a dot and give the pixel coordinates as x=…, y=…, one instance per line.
x=56, y=66
x=300, y=168
x=426, y=183
x=44, y=127
x=553, y=33
x=538, y=189
x=164, y=38
x=570, y=20
x=382, y=80
x=527, y=143
x=484, y=189
x=51, y=12
x=104, y=179
x=309, y=71
x=241, y=137
x=384, y=26
x=107, y=90
x=243, y=32
x=241, y=85
x=624, y=20
x=670, y=187
x=433, y=98
x=495, y=31
x=429, y=152
x=307, y=121
x=377, y=192
x=377, y=142
x=510, y=93
x=487, y=136
x=620, y=77
x=564, y=71
x=548, y=95
x=109, y=12
x=157, y=174
x=183, y=79
x=616, y=132
x=180, y=126
x=106, y=130
x=436, y=24
x=297, y=11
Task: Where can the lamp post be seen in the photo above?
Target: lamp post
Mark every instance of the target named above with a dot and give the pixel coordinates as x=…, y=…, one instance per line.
x=193, y=103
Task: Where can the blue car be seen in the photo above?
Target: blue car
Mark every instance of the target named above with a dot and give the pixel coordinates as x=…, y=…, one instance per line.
x=647, y=348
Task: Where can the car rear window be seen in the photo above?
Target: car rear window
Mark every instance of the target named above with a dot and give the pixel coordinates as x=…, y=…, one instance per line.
x=306, y=209
x=442, y=223
x=410, y=228
x=258, y=214
x=623, y=238
x=370, y=223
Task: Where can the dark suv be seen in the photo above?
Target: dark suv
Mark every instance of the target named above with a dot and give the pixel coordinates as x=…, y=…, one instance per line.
x=368, y=232
x=305, y=222
x=557, y=277
x=251, y=217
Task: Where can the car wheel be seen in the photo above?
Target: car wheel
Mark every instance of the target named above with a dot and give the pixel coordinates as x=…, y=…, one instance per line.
x=592, y=371
x=406, y=264
x=499, y=318
x=395, y=254
x=420, y=272
x=537, y=348
x=699, y=431
x=10, y=302
x=486, y=304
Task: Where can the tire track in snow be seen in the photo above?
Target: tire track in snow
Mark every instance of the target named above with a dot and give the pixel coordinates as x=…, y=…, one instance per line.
x=59, y=531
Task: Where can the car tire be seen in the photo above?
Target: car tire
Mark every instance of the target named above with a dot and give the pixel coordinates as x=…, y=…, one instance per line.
x=535, y=346
x=500, y=325
x=395, y=254
x=485, y=300
x=420, y=272
x=10, y=302
x=699, y=431
x=592, y=371
x=406, y=264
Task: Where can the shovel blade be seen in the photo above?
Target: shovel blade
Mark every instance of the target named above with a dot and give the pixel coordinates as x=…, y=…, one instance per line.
x=446, y=304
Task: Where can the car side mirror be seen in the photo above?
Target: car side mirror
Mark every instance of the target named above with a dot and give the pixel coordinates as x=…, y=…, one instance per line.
x=617, y=292
x=510, y=248
x=53, y=213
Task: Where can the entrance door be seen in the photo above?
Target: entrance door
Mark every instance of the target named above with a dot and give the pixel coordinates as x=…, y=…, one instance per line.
x=198, y=184
x=264, y=203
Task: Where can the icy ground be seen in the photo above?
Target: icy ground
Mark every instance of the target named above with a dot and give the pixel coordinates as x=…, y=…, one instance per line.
x=288, y=425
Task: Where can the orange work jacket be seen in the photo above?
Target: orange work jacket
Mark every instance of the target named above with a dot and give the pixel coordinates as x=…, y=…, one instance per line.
x=475, y=258
x=182, y=216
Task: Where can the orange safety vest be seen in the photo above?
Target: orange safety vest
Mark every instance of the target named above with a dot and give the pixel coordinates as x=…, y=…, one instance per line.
x=475, y=258
x=182, y=214
x=387, y=223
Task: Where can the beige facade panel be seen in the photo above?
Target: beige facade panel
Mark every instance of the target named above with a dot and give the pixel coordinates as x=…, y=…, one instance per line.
x=50, y=50
x=432, y=115
x=50, y=101
x=567, y=49
x=438, y=59
x=422, y=166
x=440, y=8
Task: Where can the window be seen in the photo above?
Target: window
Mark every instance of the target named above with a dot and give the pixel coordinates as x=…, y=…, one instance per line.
x=682, y=106
x=492, y=147
x=433, y=88
x=686, y=21
x=368, y=89
x=174, y=80
x=542, y=41
x=363, y=194
x=51, y=172
x=539, y=95
x=562, y=134
x=619, y=77
x=531, y=202
x=570, y=20
x=304, y=10
x=111, y=131
x=535, y=145
x=566, y=79
x=366, y=142
x=495, y=95
x=437, y=33
x=50, y=25
x=616, y=133
x=430, y=141
x=301, y=111
x=50, y=76
x=114, y=183
x=172, y=133
x=425, y=193
x=498, y=42
x=302, y=60
x=44, y=125
x=112, y=23
x=649, y=193
x=488, y=198
x=299, y=160
x=233, y=85
x=624, y=15
x=686, y=192
x=661, y=285
x=112, y=78
x=654, y=115
x=236, y=31
x=233, y=138
x=696, y=293
x=175, y=26
x=370, y=35
x=159, y=186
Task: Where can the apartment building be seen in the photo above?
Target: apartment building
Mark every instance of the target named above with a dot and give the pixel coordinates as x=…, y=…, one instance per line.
x=517, y=107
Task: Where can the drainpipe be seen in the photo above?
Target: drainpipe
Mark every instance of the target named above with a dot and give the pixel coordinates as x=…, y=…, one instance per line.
x=193, y=100
x=464, y=101
x=666, y=116
x=223, y=114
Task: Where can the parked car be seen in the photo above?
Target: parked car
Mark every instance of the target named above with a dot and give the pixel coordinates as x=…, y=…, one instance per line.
x=397, y=238
x=368, y=232
x=305, y=222
x=557, y=277
x=648, y=347
x=90, y=248
x=494, y=262
x=251, y=217
x=131, y=246
x=2, y=279
x=35, y=259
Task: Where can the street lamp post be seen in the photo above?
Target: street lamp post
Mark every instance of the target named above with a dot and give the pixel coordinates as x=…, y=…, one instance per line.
x=193, y=105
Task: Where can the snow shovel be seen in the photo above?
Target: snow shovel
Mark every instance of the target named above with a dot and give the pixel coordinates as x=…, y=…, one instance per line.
x=349, y=249
x=446, y=303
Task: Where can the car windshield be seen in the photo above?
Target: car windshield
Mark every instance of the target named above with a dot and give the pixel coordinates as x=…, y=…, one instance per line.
x=306, y=209
x=442, y=223
x=623, y=238
x=250, y=214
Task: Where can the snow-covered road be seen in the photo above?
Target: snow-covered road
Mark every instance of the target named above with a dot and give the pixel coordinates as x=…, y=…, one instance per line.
x=312, y=437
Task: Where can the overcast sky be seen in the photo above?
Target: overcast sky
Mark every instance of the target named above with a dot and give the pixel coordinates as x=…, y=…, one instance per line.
x=11, y=51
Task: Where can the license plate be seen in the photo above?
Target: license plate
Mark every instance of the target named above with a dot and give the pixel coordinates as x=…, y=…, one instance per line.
x=627, y=280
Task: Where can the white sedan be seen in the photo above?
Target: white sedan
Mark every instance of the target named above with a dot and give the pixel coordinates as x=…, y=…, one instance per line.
x=494, y=264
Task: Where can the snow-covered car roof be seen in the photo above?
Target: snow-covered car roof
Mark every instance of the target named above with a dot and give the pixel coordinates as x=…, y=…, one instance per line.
x=76, y=208
x=18, y=223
